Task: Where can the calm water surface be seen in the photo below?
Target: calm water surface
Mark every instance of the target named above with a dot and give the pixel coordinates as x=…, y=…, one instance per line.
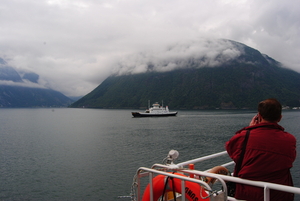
x=90, y=154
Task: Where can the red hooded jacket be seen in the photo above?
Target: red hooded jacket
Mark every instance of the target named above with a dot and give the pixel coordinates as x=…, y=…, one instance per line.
x=270, y=153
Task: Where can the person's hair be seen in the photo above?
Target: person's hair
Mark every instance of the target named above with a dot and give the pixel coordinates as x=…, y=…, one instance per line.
x=270, y=109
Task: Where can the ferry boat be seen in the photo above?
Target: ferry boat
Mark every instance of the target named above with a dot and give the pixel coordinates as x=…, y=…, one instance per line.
x=155, y=111
x=170, y=181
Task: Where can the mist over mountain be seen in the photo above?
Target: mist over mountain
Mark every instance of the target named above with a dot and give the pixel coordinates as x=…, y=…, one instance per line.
x=21, y=89
x=191, y=54
x=200, y=75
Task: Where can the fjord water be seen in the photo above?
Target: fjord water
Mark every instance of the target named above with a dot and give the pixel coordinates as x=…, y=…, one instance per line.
x=93, y=154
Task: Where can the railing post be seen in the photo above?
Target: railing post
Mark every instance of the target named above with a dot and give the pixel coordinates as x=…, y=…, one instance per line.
x=266, y=194
x=151, y=185
x=138, y=187
x=183, y=190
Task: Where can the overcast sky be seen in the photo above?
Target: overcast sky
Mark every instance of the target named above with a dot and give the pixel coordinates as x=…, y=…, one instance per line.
x=75, y=44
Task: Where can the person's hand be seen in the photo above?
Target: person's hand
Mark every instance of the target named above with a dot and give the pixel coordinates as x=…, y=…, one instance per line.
x=254, y=121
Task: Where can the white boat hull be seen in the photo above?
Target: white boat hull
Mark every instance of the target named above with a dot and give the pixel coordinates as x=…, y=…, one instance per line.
x=144, y=114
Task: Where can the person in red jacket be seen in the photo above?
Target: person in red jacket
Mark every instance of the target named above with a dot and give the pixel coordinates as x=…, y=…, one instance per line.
x=269, y=155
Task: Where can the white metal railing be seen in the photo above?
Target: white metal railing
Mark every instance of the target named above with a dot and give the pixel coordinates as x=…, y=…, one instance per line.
x=197, y=160
x=142, y=172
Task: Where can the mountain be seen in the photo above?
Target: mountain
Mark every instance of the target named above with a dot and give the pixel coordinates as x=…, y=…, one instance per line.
x=14, y=96
x=9, y=74
x=22, y=90
x=239, y=82
x=32, y=77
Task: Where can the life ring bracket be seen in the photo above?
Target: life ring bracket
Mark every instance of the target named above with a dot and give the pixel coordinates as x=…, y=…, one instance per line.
x=192, y=189
x=153, y=173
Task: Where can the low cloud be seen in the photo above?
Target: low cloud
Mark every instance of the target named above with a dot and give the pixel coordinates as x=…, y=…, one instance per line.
x=25, y=83
x=200, y=53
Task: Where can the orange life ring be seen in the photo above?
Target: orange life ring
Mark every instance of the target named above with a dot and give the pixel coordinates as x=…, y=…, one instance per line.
x=216, y=170
x=192, y=190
